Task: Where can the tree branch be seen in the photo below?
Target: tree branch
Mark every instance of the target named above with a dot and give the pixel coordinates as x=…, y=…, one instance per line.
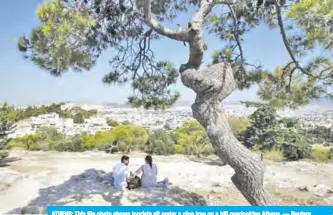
x=236, y=33
x=227, y=2
x=183, y=35
x=205, y=7
x=285, y=39
x=157, y=27
x=147, y=9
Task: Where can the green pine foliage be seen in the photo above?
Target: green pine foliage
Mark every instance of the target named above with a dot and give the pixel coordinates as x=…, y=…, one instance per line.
x=160, y=143
x=7, y=125
x=268, y=132
x=71, y=35
x=71, y=38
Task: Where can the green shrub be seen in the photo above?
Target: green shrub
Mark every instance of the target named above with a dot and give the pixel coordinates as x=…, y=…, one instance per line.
x=255, y=148
x=69, y=145
x=98, y=140
x=296, y=151
x=193, y=138
x=123, y=146
x=263, y=130
x=112, y=122
x=88, y=141
x=320, y=153
x=49, y=133
x=14, y=144
x=31, y=142
x=205, y=150
x=106, y=148
x=160, y=143
x=126, y=122
x=327, y=144
x=273, y=155
x=3, y=154
x=238, y=125
x=78, y=118
x=179, y=149
x=129, y=137
x=208, y=150
x=51, y=145
x=62, y=145
x=330, y=154
x=35, y=146
x=7, y=120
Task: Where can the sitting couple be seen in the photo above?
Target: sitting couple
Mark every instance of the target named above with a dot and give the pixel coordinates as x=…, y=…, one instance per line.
x=123, y=178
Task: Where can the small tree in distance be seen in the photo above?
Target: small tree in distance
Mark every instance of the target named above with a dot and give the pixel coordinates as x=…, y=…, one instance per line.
x=6, y=127
x=160, y=143
x=112, y=122
x=78, y=118
x=73, y=34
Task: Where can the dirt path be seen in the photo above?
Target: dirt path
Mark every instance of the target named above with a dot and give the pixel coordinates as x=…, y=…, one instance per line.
x=46, y=178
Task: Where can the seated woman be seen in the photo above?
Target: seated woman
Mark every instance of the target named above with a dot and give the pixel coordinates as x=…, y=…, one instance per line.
x=149, y=173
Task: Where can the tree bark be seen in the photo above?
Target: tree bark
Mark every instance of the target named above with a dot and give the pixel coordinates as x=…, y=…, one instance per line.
x=212, y=85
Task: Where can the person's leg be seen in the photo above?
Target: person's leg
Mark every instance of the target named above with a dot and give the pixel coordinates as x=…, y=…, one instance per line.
x=163, y=184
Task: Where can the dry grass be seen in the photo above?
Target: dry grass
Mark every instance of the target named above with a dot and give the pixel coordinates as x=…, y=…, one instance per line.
x=276, y=156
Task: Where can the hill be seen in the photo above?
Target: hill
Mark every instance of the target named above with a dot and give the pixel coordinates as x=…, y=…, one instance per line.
x=51, y=178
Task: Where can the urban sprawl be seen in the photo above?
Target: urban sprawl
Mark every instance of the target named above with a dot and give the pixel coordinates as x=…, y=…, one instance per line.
x=150, y=119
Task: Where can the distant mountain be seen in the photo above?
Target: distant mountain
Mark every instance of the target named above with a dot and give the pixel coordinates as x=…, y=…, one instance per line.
x=322, y=102
x=113, y=104
x=183, y=103
x=318, y=102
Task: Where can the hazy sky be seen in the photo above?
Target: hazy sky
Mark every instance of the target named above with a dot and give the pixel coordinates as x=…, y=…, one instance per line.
x=23, y=83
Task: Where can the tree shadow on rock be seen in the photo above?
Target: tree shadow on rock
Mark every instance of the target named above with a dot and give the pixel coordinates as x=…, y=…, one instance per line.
x=208, y=161
x=94, y=187
x=171, y=196
x=6, y=161
x=90, y=186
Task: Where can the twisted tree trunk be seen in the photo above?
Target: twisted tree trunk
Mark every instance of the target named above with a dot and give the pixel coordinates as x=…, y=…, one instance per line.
x=212, y=85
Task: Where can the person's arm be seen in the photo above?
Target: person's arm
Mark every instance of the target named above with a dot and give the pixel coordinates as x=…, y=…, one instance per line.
x=114, y=168
x=127, y=172
x=138, y=171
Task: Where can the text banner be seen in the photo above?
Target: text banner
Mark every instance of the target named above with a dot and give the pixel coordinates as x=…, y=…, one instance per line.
x=190, y=210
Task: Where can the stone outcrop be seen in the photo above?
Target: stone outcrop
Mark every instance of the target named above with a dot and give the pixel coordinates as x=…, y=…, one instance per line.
x=318, y=189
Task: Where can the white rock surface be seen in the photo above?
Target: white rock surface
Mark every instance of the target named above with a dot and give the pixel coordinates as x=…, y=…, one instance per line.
x=51, y=178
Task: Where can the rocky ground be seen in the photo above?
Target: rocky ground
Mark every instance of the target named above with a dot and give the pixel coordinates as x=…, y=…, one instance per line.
x=32, y=180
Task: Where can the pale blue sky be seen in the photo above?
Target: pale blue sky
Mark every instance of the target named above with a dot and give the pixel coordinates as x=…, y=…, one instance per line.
x=21, y=82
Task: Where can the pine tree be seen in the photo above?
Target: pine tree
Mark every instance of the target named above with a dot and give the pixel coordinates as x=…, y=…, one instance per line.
x=6, y=127
x=74, y=33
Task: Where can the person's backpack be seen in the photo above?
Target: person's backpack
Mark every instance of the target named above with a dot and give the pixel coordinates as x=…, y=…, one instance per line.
x=133, y=182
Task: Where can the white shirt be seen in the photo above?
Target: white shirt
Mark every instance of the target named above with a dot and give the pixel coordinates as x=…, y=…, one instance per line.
x=149, y=176
x=120, y=174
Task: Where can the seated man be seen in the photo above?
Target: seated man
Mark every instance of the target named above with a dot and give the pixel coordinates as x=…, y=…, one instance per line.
x=121, y=173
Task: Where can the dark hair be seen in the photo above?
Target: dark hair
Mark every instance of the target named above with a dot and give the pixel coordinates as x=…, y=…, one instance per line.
x=149, y=160
x=124, y=158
